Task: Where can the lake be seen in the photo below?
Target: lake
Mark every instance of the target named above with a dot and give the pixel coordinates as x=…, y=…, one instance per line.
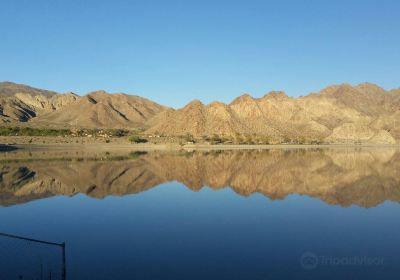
x=257, y=214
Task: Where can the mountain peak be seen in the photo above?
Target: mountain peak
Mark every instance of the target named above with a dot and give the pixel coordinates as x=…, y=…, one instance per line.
x=370, y=88
x=216, y=104
x=338, y=90
x=275, y=95
x=194, y=104
x=98, y=92
x=246, y=97
x=9, y=89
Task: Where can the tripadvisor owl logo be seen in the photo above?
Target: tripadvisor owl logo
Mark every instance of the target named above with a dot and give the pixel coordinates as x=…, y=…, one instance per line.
x=309, y=260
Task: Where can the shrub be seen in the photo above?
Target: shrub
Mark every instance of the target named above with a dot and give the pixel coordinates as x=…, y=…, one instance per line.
x=215, y=139
x=28, y=131
x=137, y=139
x=118, y=132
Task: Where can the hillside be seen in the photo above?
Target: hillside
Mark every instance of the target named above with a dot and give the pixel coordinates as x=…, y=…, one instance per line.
x=9, y=89
x=23, y=105
x=102, y=110
x=365, y=113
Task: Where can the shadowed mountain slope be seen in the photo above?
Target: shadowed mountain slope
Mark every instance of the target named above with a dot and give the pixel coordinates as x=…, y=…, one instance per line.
x=102, y=110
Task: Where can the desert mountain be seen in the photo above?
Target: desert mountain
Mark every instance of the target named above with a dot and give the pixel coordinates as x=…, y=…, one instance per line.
x=365, y=113
x=21, y=103
x=33, y=107
x=9, y=89
x=340, y=177
x=102, y=110
x=343, y=113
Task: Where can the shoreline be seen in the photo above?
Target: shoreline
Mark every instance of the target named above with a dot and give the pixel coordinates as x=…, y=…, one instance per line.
x=42, y=143
x=176, y=147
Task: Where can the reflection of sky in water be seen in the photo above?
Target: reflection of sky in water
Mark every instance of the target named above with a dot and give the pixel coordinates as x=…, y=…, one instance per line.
x=171, y=232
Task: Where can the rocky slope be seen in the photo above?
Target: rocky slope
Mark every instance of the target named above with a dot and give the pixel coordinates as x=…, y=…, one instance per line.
x=343, y=113
x=10, y=89
x=365, y=113
x=340, y=177
x=21, y=104
x=102, y=110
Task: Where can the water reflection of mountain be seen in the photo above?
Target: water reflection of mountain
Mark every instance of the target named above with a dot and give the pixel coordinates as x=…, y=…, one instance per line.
x=341, y=177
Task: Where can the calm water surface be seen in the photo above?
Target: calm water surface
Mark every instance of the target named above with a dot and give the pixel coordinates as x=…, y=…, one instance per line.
x=277, y=214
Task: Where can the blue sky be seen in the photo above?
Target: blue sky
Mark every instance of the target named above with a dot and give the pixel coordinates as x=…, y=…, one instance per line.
x=175, y=51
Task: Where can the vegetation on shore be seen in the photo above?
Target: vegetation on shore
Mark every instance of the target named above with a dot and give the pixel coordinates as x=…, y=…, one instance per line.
x=28, y=131
x=139, y=137
x=246, y=139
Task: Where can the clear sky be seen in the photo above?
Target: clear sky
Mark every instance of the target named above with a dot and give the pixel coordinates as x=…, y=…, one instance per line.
x=174, y=51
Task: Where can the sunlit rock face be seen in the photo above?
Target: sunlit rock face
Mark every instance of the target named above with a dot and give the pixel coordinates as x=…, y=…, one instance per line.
x=343, y=113
x=365, y=177
x=98, y=109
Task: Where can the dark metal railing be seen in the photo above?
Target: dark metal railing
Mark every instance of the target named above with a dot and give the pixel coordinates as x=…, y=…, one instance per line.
x=62, y=245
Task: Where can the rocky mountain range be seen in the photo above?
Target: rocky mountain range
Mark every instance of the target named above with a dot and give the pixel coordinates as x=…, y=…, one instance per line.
x=23, y=105
x=345, y=177
x=365, y=113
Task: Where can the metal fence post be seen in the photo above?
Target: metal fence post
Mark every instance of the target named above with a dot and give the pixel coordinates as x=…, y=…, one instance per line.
x=64, y=268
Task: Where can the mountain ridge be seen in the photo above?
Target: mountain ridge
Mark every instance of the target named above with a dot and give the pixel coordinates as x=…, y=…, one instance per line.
x=365, y=113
